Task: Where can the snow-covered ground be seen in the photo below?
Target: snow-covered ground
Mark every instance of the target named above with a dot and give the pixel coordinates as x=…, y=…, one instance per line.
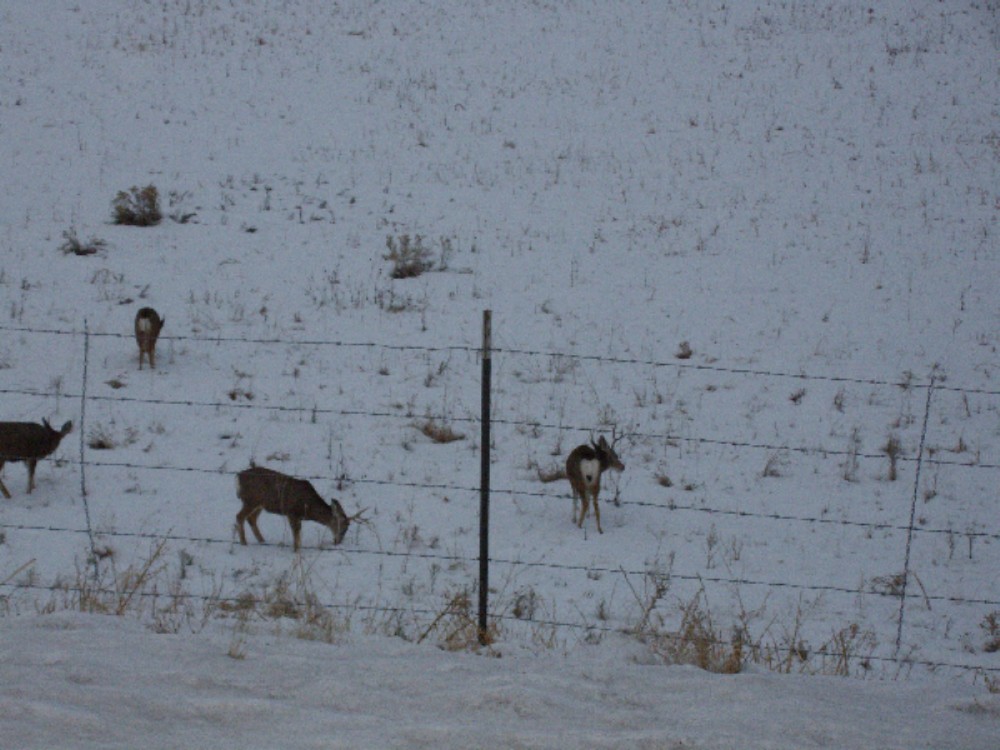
x=760, y=240
x=109, y=683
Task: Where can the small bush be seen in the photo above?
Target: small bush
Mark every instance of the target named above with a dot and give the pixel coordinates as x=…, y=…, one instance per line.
x=457, y=626
x=888, y=585
x=526, y=604
x=139, y=207
x=178, y=214
x=991, y=627
x=74, y=246
x=850, y=465
x=697, y=642
x=893, y=449
x=409, y=256
x=848, y=645
x=102, y=437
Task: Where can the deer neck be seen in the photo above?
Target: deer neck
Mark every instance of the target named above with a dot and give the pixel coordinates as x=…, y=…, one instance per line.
x=321, y=514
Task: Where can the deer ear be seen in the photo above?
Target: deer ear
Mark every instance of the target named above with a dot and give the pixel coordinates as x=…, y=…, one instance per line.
x=603, y=442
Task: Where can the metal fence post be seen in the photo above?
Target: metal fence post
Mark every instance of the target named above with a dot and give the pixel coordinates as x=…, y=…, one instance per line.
x=83, y=445
x=910, y=527
x=484, y=481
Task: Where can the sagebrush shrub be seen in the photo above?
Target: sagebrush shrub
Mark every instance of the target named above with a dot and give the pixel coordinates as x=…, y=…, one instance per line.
x=409, y=256
x=138, y=207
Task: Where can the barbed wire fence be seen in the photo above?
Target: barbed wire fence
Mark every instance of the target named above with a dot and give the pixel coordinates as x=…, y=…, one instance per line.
x=921, y=460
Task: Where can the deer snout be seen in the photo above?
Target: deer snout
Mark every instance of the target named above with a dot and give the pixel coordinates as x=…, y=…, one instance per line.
x=339, y=530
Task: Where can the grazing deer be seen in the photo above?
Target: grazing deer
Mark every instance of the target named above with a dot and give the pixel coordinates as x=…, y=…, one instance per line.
x=263, y=489
x=147, y=330
x=28, y=442
x=584, y=467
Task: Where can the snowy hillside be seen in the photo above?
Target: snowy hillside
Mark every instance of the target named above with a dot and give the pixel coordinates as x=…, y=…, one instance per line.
x=759, y=240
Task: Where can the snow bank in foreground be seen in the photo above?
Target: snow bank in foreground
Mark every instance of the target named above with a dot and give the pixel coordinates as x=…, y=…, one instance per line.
x=83, y=681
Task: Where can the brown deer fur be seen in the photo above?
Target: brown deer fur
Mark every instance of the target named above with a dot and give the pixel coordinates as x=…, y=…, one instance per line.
x=147, y=330
x=28, y=442
x=584, y=467
x=263, y=489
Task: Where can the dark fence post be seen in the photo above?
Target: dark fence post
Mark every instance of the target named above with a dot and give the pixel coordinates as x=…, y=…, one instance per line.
x=484, y=481
x=83, y=444
x=913, y=514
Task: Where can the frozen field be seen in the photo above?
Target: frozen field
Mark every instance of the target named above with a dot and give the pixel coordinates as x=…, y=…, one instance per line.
x=758, y=240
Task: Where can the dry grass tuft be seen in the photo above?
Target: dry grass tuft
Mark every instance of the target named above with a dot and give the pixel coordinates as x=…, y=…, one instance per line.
x=408, y=256
x=73, y=245
x=439, y=433
x=138, y=207
x=457, y=626
x=698, y=641
x=991, y=627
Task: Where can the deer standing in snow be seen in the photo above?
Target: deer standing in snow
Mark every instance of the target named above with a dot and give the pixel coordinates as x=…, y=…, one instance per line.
x=147, y=330
x=584, y=467
x=28, y=442
x=263, y=489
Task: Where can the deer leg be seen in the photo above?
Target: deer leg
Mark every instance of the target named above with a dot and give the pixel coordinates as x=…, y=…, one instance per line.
x=252, y=517
x=584, y=504
x=32, y=463
x=3, y=487
x=296, y=525
x=597, y=514
x=241, y=517
x=152, y=357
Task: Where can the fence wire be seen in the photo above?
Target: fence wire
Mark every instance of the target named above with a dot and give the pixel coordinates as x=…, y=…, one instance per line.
x=516, y=563
x=907, y=383
x=241, y=601
x=933, y=384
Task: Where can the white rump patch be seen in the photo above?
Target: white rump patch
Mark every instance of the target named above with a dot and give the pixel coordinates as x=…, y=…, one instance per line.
x=145, y=325
x=591, y=469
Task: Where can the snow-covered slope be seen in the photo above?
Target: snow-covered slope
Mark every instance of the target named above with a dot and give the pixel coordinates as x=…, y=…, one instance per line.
x=758, y=239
